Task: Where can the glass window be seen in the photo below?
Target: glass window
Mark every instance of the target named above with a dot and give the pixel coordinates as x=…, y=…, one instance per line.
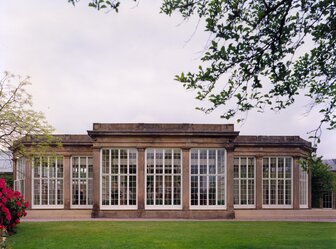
x=118, y=178
x=19, y=182
x=163, y=178
x=207, y=178
x=47, y=181
x=244, y=182
x=303, y=188
x=82, y=181
x=277, y=181
x=327, y=199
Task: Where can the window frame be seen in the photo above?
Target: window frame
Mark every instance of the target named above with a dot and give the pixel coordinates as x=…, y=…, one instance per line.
x=55, y=206
x=208, y=207
x=20, y=176
x=277, y=206
x=247, y=206
x=163, y=206
x=118, y=207
x=327, y=200
x=79, y=206
x=306, y=181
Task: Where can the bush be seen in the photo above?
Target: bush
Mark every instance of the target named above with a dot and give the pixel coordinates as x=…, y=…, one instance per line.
x=12, y=207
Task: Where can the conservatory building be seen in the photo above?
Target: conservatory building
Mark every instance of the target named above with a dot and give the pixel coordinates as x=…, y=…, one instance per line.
x=166, y=171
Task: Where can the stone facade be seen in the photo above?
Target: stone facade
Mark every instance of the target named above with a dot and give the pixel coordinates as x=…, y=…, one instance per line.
x=263, y=153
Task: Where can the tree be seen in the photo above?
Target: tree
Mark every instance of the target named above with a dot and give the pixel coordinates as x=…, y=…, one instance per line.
x=323, y=179
x=18, y=120
x=253, y=60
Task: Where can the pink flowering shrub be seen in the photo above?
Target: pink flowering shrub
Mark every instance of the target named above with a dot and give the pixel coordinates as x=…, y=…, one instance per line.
x=12, y=207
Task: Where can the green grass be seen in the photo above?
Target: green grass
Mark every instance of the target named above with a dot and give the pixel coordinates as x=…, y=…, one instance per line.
x=173, y=234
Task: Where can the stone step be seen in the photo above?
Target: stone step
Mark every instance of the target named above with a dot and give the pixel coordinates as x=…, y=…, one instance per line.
x=286, y=214
x=58, y=214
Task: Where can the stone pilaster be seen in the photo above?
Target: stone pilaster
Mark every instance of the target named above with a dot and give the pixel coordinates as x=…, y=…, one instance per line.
x=141, y=179
x=66, y=180
x=185, y=179
x=229, y=179
x=258, y=177
x=96, y=183
x=296, y=183
x=28, y=182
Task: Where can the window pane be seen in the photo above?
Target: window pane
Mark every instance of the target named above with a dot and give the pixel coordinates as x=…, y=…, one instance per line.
x=203, y=162
x=114, y=162
x=194, y=161
x=159, y=161
x=52, y=167
x=177, y=162
x=168, y=190
x=114, y=190
x=194, y=190
x=105, y=161
x=203, y=190
x=123, y=190
x=47, y=172
x=243, y=192
x=236, y=192
x=150, y=190
x=59, y=167
x=52, y=192
x=105, y=190
x=83, y=169
x=132, y=190
x=212, y=162
x=273, y=168
x=123, y=162
x=163, y=183
x=159, y=190
x=75, y=168
x=212, y=190
x=288, y=169
x=251, y=167
x=177, y=190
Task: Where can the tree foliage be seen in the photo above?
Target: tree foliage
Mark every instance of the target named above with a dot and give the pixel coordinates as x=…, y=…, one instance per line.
x=253, y=58
x=323, y=179
x=18, y=120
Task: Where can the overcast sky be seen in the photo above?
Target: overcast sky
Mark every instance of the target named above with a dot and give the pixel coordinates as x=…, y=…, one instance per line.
x=88, y=66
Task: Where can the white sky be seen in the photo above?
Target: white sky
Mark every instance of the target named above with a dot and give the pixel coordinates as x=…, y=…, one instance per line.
x=88, y=66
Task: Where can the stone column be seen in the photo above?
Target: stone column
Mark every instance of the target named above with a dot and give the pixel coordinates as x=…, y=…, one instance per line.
x=66, y=179
x=96, y=183
x=141, y=179
x=14, y=165
x=310, y=205
x=28, y=182
x=185, y=179
x=229, y=179
x=258, y=179
x=296, y=183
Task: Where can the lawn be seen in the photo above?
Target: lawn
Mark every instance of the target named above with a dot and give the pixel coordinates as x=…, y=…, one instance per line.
x=173, y=234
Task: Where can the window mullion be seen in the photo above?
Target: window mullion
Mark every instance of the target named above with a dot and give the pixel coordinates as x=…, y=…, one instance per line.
x=163, y=177
x=246, y=182
x=172, y=177
x=127, y=178
x=276, y=181
x=269, y=180
x=239, y=181
x=109, y=189
x=87, y=181
x=199, y=178
x=119, y=172
x=207, y=175
x=216, y=176
x=154, y=177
